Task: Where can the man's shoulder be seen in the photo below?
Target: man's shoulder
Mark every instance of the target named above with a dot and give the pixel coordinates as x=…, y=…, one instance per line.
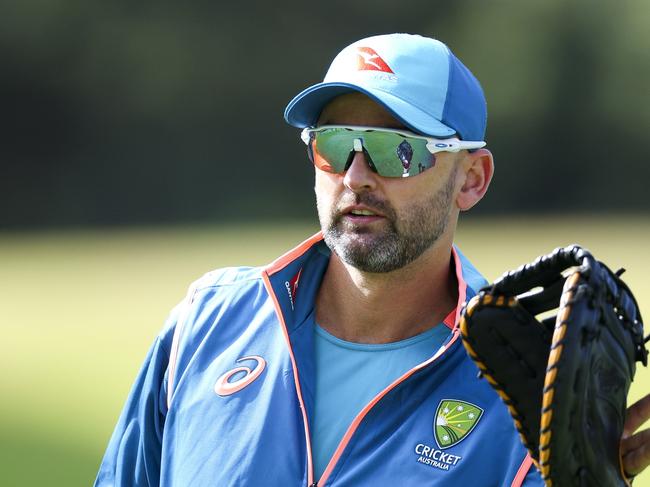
x=224, y=285
x=227, y=276
x=212, y=286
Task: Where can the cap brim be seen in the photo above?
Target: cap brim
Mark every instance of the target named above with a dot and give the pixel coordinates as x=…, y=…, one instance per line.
x=305, y=108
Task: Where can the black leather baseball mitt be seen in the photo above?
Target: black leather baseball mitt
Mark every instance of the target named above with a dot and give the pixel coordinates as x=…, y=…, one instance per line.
x=559, y=339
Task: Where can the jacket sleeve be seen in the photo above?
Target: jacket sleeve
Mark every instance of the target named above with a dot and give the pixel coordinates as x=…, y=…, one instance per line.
x=134, y=451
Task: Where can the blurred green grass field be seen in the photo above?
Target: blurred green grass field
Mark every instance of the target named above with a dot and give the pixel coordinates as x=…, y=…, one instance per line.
x=80, y=308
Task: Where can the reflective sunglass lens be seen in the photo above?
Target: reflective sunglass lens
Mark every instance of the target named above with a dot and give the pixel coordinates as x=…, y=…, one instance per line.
x=389, y=154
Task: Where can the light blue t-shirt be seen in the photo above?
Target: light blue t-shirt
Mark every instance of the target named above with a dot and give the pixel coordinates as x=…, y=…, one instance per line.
x=349, y=375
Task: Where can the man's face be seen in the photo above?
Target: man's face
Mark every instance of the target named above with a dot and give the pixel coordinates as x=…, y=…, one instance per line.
x=379, y=224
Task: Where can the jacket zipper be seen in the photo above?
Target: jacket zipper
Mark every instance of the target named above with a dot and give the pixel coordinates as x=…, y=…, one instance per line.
x=356, y=422
x=311, y=482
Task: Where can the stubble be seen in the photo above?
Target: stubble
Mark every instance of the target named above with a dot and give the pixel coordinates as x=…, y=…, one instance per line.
x=404, y=238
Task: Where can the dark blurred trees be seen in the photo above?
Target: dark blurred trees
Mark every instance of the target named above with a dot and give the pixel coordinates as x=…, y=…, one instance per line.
x=121, y=112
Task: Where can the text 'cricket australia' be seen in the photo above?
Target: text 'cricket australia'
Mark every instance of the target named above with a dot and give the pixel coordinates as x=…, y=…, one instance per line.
x=435, y=458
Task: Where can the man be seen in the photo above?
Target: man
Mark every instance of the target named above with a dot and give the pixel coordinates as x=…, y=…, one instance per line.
x=340, y=364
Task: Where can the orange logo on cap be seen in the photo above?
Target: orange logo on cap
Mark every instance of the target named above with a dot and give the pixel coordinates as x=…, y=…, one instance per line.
x=369, y=60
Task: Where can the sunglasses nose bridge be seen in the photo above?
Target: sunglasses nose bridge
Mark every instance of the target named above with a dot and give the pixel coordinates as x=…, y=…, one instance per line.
x=360, y=174
x=358, y=146
x=359, y=167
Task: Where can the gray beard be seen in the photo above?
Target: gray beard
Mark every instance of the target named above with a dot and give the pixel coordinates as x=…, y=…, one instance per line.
x=404, y=239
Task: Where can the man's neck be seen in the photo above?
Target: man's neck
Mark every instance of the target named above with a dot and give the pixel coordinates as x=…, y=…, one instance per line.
x=380, y=308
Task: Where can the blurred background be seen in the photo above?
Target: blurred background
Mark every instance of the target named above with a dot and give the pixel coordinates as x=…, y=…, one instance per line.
x=143, y=144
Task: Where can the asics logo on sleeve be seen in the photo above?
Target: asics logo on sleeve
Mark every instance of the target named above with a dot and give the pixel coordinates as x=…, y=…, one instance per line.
x=223, y=386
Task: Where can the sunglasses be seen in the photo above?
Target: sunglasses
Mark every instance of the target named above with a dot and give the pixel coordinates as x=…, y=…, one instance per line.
x=390, y=153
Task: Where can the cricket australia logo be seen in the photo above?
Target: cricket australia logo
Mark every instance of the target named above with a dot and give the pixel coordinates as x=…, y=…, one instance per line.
x=454, y=421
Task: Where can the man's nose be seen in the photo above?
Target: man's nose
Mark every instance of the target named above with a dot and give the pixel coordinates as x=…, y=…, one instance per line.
x=359, y=176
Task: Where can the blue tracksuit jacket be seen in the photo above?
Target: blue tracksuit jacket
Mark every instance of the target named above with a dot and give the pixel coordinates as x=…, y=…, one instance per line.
x=226, y=392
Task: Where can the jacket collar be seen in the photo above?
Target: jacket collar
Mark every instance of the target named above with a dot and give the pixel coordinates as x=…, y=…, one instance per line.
x=294, y=278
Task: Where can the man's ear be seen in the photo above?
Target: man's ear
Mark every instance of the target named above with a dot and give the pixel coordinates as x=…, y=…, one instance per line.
x=478, y=168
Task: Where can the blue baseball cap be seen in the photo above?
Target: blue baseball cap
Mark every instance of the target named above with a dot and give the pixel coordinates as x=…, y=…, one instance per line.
x=417, y=79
